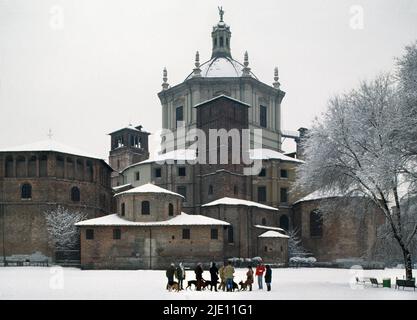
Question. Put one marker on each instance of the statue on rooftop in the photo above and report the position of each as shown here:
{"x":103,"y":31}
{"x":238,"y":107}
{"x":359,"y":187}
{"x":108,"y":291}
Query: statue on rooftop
{"x":221,"y":13}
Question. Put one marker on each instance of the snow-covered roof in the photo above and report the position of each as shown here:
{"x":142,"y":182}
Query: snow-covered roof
{"x":268,"y":228}
{"x":266,"y":154}
{"x":221,"y":96}
{"x":149,"y":188}
{"x":189,"y":155}
{"x":130,"y":127}
{"x":121,"y":187}
{"x":50,"y":145}
{"x":182,"y":219}
{"x":237,"y":202}
{"x":219,"y":67}
{"x":273,"y":234}
{"x":321,"y":194}
{"x":175,"y":155}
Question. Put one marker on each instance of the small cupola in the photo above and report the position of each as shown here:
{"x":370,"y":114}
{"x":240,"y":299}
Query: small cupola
{"x":221,"y":38}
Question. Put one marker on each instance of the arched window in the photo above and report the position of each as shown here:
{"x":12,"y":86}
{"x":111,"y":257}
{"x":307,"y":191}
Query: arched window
{"x":235,"y":190}
{"x":90,"y":171}
{"x":230,"y":234}
{"x":70,"y":168}
{"x":26,"y":192}
{"x":170,"y":209}
{"x":263,"y":221}
{"x":123,"y":209}
{"x":145,"y":207}
{"x":21,"y":167}
{"x":316,"y":224}
{"x":32,"y":166}
{"x":80,"y":169}
{"x":221,"y":41}
{"x":75,"y":194}
{"x":284,"y":222}
{"x":9,"y":167}
{"x":43,"y":166}
{"x":210,"y":190}
{"x":60,"y":163}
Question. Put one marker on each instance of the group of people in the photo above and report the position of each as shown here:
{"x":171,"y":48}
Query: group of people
{"x":225,"y":274}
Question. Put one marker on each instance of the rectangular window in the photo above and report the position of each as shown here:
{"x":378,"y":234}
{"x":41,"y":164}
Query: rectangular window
{"x":230,"y":234}
{"x":262,"y":173}
{"x":182,"y":171}
{"x":186,"y":234}
{"x":284,"y":195}
{"x":123,"y":209}
{"x":137,"y":176}
{"x":89,"y":234}
{"x":262,"y":194}
{"x":179,"y":115}
{"x":117,"y":234}
{"x":262,"y":116}
{"x":214,"y":234}
{"x":158,"y":173}
{"x":284,"y":173}
{"x":182,"y":190}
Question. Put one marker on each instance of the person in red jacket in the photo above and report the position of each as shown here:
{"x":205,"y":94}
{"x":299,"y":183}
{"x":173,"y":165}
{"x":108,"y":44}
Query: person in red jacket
{"x":260,"y":269}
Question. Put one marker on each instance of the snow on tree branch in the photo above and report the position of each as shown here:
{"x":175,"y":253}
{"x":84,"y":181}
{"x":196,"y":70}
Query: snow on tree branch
{"x":62,"y":232}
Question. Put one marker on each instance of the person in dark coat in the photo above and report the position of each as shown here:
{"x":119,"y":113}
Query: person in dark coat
{"x":214,"y":274}
{"x":170,"y":274}
{"x":180,"y":275}
{"x":268,"y":277}
{"x":199,"y":276}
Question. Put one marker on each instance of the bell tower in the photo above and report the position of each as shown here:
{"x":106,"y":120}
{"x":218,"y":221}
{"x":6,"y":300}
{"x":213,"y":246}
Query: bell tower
{"x":221,"y":38}
{"x":129,"y":145}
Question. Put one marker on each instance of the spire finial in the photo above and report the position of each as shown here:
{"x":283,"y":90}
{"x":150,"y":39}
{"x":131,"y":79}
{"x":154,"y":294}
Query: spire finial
{"x":165,"y":84}
{"x":197,"y":70}
{"x":246,"y":69}
{"x":197,"y":59}
{"x":221,"y":13}
{"x":50,"y":134}
{"x":276,"y":84}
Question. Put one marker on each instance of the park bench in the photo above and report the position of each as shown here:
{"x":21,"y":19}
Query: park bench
{"x":362,"y":280}
{"x":39,"y":262}
{"x":26,"y":262}
{"x":374,"y":281}
{"x":405,"y":283}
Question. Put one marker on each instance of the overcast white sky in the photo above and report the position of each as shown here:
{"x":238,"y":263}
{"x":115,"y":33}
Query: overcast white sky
{"x":100,"y":67}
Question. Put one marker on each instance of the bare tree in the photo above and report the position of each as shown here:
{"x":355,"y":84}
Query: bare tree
{"x":62,"y":232}
{"x":355,"y":149}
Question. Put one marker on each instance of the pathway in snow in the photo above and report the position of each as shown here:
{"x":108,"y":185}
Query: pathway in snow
{"x":301,"y":283}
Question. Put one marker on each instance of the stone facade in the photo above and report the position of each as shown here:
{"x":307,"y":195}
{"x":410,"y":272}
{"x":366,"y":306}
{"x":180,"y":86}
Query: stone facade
{"x":243,"y":240}
{"x":273,"y":250}
{"x":149,"y":247}
{"x":152,"y":238}
{"x":344,"y":234}
{"x":51,"y":177}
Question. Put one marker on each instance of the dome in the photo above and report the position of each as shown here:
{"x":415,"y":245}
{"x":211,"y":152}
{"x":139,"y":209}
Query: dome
{"x":218,"y":67}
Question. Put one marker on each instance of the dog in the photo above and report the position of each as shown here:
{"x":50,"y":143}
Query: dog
{"x":235,"y":286}
{"x":174,"y":287}
{"x":243,"y":286}
{"x":190,"y":284}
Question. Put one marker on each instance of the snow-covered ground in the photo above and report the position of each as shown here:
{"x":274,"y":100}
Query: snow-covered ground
{"x":301,"y":283}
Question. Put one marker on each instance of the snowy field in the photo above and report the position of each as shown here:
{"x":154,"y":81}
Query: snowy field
{"x":302,"y":283}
